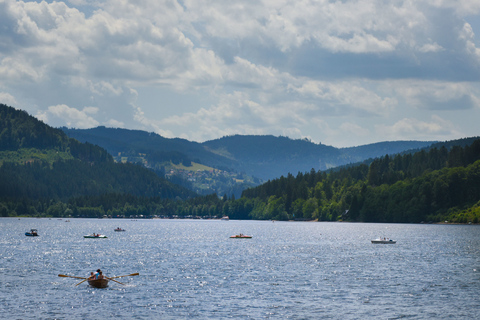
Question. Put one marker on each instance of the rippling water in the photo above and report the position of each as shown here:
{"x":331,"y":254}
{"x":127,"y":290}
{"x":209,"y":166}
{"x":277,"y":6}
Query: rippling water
{"x":191,"y":269}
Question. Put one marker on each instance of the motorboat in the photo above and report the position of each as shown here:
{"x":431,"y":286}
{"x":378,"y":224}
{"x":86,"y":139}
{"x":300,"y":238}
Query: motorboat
{"x":240,"y":236}
{"x":95,"y":236}
{"x":32,"y":233}
{"x":118,"y":229}
{"x":225,"y":218}
{"x":384,"y":241}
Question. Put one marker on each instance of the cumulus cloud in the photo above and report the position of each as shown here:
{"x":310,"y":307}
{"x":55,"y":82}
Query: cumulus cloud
{"x":72,"y":117}
{"x":7,"y":99}
{"x":414,"y":129}
{"x":435,"y":95}
{"x":317,"y":69}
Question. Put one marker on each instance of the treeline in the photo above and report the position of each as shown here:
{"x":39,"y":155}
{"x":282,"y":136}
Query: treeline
{"x":436,"y":185}
{"x":53,"y":175}
{"x":72,"y":178}
{"x":425,"y":186}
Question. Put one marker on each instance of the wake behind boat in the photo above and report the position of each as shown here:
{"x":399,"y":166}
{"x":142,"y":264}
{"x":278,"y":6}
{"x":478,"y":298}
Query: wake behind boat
{"x":95,"y":236}
{"x":384,"y":241}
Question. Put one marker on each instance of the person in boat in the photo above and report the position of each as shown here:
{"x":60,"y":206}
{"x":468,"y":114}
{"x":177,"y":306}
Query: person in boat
{"x":92,"y":276}
{"x":97,"y":273}
{"x":100,"y":275}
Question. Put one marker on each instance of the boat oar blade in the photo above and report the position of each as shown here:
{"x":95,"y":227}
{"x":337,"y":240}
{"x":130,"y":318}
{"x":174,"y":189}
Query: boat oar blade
{"x":81,"y":282}
{"x":127,"y":275}
{"x":65,"y":276}
{"x":114,"y":280}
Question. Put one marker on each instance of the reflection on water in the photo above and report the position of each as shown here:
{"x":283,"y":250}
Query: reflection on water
{"x":192,"y":269}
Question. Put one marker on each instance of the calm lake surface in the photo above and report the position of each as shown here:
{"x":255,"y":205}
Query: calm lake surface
{"x":190,"y":269}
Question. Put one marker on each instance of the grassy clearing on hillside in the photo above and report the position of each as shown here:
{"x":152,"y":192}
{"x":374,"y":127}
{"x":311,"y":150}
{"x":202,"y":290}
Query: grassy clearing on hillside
{"x":22,"y":156}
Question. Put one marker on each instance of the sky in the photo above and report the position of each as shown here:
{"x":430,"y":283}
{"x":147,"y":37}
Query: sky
{"x":337,"y":72}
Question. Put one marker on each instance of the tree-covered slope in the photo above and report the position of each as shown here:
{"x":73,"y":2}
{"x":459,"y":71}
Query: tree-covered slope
{"x":264,"y":157}
{"x":425,"y":186}
{"x":40,"y":162}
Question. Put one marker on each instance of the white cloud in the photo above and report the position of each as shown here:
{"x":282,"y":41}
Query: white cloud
{"x":317,"y":69}
{"x":414,"y":129}
{"x":438,"y":95}
{"x":72,"y":117}
{"x":7,"y":99}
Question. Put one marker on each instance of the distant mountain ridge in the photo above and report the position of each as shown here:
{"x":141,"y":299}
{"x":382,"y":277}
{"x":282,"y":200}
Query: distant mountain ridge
{"x":266,"y":157}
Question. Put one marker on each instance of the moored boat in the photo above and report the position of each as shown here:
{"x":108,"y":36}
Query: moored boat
{"x":95,"y":236}
{"x":240,"y":236}
{"x":384,"y":241}
{"x":225,"y":218}
{"x":98,"y":283}
{"x":32,"y":233}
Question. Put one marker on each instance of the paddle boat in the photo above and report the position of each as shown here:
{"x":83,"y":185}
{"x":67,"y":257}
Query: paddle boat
{"x":384,"y":241}
{"x":95,"y":236}
{"x":118,"y":229}
{"x":240,"y":236}
{"x":32,"y":233}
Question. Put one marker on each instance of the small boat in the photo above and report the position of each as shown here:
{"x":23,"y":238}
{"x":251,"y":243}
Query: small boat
{"x":32,"y":233}
{"x":98,"y":283}
{"x":225,"y":218}
{"x":384,"y":241}
{"x":240,"y":236}
{"x":95,"y":236}
{"x":118,"y":229}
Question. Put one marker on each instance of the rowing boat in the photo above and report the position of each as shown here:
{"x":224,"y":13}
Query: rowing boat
{"x":98,"y":283}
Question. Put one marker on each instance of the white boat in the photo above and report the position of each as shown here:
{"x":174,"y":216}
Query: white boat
{"x":95,"y":236}
{"x":225,"y":218}
{"x":384,"y":241}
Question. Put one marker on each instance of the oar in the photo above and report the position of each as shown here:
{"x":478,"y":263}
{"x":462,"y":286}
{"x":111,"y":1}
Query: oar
{"x":114,"y":280}
{"x":127,"y":275}
{"x":81,"y":282}
{"x":65,"y":276}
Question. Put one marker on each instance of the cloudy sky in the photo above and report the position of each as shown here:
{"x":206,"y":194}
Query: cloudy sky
{"x":338,"y":72}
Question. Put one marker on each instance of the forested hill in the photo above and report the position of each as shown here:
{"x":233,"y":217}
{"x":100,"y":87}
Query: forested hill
{"x":38,"y":162}
{"x":434,"y":185}
{"x":264,"y":157}
{"x":270,"y":157}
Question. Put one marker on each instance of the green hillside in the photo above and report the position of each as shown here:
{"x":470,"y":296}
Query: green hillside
{"x":434,"y":185}
{"x":40,"y":165}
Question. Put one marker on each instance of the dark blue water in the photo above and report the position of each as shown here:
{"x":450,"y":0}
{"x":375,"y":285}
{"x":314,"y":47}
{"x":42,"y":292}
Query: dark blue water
{"x":191,"y":269}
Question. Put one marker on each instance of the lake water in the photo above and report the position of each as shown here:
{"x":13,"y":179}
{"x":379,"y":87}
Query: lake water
{"x":190,"y":269}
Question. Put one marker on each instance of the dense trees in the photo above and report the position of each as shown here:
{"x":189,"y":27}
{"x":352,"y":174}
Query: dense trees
{"x":43,"y":172}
